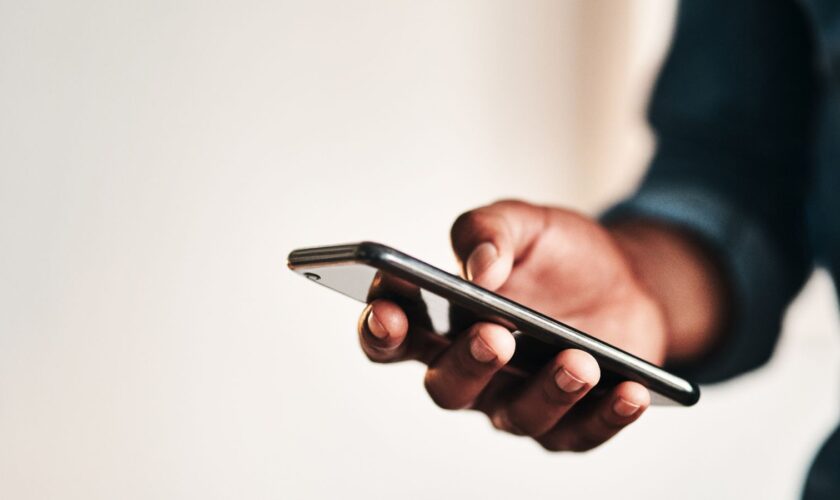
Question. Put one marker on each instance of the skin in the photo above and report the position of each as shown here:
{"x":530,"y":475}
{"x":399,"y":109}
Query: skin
{"x":645,"y":287}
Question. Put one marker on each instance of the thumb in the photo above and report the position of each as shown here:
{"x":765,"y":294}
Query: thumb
{"x":488,"y":240}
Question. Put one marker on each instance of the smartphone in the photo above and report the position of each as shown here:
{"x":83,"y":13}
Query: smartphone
{"x":443,"y":304}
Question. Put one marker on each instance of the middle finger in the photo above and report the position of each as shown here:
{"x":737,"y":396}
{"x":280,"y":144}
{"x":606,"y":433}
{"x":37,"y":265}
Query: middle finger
{"x":548,"y":396}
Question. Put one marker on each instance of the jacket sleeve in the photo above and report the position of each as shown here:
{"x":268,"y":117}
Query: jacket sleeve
{"x":732,"y":113}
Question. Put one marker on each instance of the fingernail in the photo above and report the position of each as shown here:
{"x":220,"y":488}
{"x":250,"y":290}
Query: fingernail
{"x":567,"y":381}
{"x":481,"y":351}
{"x":375,"y":326}
{"x":480,"y":259}
{"x":624,"y":408}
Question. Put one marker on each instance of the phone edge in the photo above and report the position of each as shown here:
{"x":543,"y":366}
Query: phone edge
{"x":373,"y":253}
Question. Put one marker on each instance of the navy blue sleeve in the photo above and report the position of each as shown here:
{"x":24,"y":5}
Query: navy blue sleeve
{"x":732,"y":113}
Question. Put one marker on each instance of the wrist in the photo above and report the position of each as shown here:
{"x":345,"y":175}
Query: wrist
{"x":681,"y":276}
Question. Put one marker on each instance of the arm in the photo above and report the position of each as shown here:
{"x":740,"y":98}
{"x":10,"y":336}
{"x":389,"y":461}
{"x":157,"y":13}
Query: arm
{"x":733,"y":111}
{"x":685,"y":281}
{"x":695,"y":269}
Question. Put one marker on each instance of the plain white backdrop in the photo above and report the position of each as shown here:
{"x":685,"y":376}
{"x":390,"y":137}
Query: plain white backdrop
{"x":158,"y":160}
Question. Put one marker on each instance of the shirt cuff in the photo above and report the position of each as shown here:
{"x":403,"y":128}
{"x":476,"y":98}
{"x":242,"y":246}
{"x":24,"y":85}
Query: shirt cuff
{"x":749,"y":262}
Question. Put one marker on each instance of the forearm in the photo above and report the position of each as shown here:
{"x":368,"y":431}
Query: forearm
{"x":683,"y":278}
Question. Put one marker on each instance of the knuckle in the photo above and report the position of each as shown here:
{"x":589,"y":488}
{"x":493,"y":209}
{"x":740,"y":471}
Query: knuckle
{"x":440,"y":395}
{"x":465,"y":217}
{"x":567,"y":439}
{"x":510,"y":203}
{"x":522,"y":426}
{"x":553,"y":445}
{"x":445,"y":403}
{"x":581,"y":445}
{"x":496,"y":422}
{"x":501,"y":421}
{"x":587,"y":440}
{"x":467,"y":220}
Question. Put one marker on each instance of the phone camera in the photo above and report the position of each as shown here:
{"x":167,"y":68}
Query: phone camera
{"x":312,"y":276}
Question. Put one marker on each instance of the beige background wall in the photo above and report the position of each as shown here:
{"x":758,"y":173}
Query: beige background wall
{"x":159,"y":159}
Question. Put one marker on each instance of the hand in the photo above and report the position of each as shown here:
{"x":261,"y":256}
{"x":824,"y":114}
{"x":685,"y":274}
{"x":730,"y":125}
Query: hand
{"x":563,"y":265}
